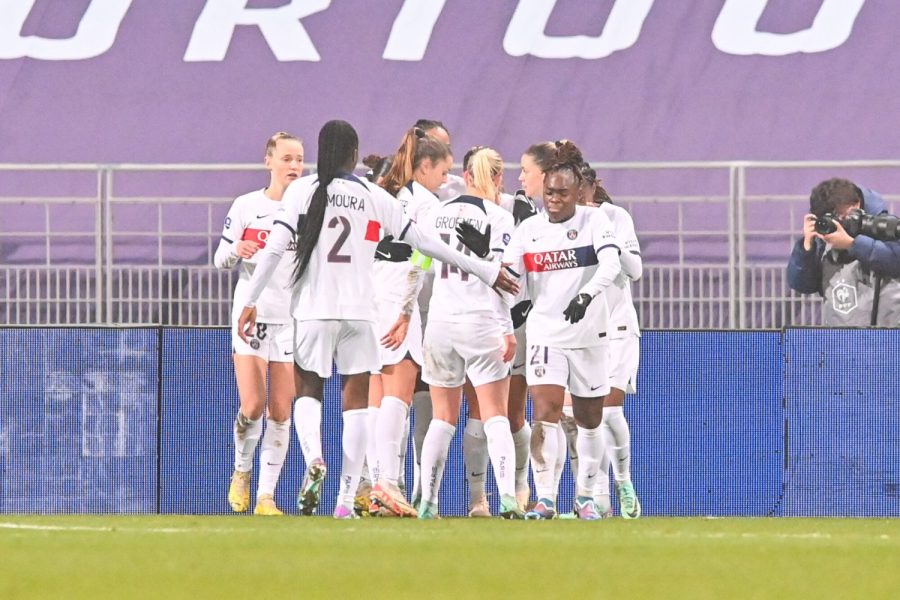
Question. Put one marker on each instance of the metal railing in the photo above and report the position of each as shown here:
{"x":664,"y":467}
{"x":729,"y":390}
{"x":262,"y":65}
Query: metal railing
{"x":121,"y":244}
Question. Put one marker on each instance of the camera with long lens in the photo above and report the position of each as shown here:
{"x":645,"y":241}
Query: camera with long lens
{"x":885,"y":228}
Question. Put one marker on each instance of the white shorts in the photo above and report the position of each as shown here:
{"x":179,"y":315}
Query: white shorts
{"x":585,"y":371}
{"x":454,"y":351}
{"x":412,"y":345}
{"x":624,"y":355}
{"x":350,"y":345}
{"x":518,"y":362}
{"x":273,"y":342}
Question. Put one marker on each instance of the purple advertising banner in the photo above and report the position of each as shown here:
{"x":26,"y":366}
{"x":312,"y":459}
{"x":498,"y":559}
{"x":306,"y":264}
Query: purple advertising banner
{"x":155,"y":81}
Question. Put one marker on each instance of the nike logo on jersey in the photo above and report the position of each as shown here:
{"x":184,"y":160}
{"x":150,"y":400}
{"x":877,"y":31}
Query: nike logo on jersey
{"x":595,"y":387}
{"x":263,"y":216}
{"x":476,"y":474}
{"x":289,"y":353}
{"x":518,"y":366}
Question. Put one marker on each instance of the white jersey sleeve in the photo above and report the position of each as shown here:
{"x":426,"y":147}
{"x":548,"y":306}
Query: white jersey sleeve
{"x":623,"y":318}
{"x":251,"y":217}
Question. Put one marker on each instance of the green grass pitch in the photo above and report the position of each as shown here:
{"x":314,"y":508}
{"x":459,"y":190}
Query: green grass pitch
{"x":292,"y":557}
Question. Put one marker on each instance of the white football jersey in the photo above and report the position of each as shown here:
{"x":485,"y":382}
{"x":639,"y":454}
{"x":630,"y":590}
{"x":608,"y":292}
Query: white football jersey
{"x":458,"y":297}
{"x":455,"y":186}
{"x":623,"y":318}
{"x":337,"y":283}
{"x":251,"y":217}
{"x":556,"y":260}
{"x":391,"y":277}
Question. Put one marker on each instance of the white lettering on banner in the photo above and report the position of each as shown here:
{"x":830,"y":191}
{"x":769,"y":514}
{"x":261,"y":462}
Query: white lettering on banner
{"x":525,"y":34}
{"x":735,"y":30}
{"x":95,"y":35}
{"x":412,"y":29}
{"x":281,"y":27}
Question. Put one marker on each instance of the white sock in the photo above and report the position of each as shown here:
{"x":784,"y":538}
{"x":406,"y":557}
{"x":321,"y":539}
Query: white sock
{"x":308,"y":423}
{"x":475,"y":456}
{"x":371,"y":446}
{"x":404,"y":444}
{"x":389,"y":430}
{"x":423,"y":411}
{"x":521,"y":441}
{"x":570,"y":428}
{"x":617,"y":437}
{"x":246,"y":437}
{"x":503,"y":454}
{"x":544,"y":447}
{"x":561,"y":446}
{"x":601,"y":487}
{"x":275,"y":443}
{"x":590,"y":450}
{"x":435,"y":448}
{"x":353,"y":443}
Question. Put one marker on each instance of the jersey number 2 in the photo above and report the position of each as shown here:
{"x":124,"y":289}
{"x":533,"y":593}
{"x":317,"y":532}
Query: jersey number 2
{"x":334,"y":255}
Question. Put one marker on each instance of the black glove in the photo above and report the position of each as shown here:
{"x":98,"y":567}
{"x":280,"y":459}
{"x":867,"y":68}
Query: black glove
{"x":474,"y":240}
{"x":519,"y":313}
{"x":577,"y":307}
{"x":523,"y":207}
{"x":392,"y":251}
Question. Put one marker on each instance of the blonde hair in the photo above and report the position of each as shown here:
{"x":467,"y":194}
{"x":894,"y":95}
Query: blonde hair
{"x":482,"y":168}
{"x":276,"y":137}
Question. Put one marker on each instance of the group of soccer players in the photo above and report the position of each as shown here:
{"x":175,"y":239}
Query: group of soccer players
{"x":418,"y":285}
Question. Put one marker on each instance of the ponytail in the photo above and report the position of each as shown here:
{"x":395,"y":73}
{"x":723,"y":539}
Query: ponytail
{"x":483,"y":167}
{"x":416,"y":147}
{"x":338,"y":143}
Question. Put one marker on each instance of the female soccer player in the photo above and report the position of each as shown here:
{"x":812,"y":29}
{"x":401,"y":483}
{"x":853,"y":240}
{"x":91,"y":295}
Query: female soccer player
{"x":470,"y":334}
{"x":624,"y":352}
{"x":419,"y":167}
{"x":337,"y":220}
{"x":269,"y":348}
{"x":568,"y":257}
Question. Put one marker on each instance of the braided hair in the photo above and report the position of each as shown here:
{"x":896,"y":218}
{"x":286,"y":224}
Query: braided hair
{"x":567,"y":158}
{"x":338,"y":143}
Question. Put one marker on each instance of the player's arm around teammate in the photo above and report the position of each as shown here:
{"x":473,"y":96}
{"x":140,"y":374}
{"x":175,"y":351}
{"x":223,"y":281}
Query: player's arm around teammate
{"x":569,"y":257}
{"x":269,"y":352}
{"x":469,"y":334}
{"x":336,"y":219}
{"x":417,"y":170}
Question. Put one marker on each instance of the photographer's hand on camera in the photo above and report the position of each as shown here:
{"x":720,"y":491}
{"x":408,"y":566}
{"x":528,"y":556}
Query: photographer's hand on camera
{"x":809,"y":232}
{"x":839,"y":239}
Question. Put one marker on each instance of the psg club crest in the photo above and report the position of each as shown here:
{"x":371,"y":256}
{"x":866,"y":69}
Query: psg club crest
{"x":254,"y":344}
{"x":573,"y":233}
{"x":539,"y":372}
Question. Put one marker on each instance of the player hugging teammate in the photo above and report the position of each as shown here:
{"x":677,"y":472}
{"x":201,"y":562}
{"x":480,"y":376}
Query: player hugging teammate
{"x":561,"y":311}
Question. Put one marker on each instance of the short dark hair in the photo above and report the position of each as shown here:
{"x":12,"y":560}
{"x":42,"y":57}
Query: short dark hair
{"x":833,"y":194}
{"x":429,"y":124}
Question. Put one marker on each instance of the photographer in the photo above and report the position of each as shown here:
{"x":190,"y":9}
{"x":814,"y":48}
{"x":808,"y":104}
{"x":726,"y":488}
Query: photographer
{"x":857,"y":275}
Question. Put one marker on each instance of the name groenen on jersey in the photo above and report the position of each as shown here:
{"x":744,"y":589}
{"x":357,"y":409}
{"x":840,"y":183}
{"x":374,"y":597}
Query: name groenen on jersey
{"x":450,"y":222}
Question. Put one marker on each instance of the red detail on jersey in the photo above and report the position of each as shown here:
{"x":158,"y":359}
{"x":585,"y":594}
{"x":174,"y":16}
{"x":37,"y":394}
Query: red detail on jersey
{"x":373,"y":231}
{"x":256,"y":235}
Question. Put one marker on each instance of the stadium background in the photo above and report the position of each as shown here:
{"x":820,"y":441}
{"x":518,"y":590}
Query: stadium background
{"x":696,"y":139}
